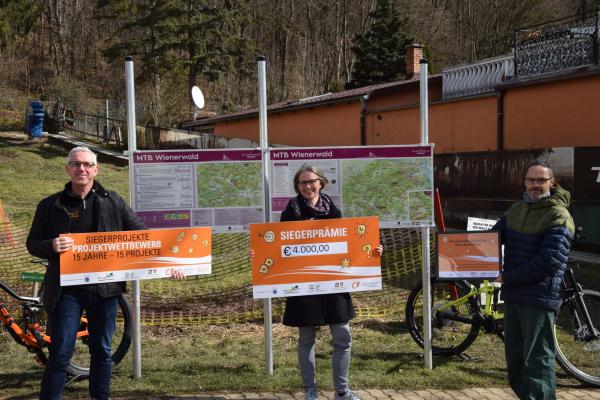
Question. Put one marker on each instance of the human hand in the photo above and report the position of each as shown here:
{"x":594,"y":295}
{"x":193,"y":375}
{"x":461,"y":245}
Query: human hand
{"x":62,"y":244}
{"x":499,"y":279}
{"x":378,"y":251}
{"x":177,"y":275}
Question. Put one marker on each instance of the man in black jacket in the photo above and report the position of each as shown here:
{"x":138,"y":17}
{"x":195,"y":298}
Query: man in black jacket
{"x":83,"y":206}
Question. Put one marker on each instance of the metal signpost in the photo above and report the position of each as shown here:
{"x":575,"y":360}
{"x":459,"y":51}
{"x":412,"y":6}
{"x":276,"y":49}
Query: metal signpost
{"x":426,"y":274}
{"x":264,"y":146}
{"x":132,"y":146}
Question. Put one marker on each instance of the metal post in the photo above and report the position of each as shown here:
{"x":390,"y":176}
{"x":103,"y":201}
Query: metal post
{"x":426,"y":275}
{"x":264,"y":146}
{"x":515,"y":53}
{"x":107,"y":124}
{"x":595,"y":35}
{"x":132,"y":145}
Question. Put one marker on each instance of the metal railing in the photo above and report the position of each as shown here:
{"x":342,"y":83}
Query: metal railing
{"x":476,"y":78}
{"x":557,"y":45}
{"x":114,"y":131}
{"x":101,"y":128}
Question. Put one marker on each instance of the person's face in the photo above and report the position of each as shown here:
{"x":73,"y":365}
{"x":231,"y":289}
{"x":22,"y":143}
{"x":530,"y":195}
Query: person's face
{"x":309,"y":186}
{"x":538,"y":181}
{"x":82,"y":169}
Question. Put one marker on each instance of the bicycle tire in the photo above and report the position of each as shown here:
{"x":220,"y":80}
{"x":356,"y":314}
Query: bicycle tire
{"x":578,"y":356}
{"x":450,"y":335}
{"x":79,"y":366}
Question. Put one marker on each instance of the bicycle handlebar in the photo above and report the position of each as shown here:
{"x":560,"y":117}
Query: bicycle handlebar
{"x":14,"y":294}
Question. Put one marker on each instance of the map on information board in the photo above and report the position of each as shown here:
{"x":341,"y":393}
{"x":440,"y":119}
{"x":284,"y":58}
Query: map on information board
{"x":187,"y":188}
{"x":229,"y":184}
{"x":394,"y":183}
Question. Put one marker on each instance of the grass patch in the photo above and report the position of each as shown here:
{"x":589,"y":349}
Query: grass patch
{"x":30,"y":171}
{"x":231,"y":359}
{"x":218,"y":358}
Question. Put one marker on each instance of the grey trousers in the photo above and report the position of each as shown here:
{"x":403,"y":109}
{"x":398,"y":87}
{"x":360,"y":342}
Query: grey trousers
{"x":340,"y":358}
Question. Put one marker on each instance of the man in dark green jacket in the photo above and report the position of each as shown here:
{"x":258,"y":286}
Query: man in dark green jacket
{"x":83,"y":206}
{"x":537,"y":233}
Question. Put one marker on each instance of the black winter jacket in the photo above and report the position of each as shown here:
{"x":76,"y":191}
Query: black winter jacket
{"x":51,"y":219}
{"x":321,"y":309}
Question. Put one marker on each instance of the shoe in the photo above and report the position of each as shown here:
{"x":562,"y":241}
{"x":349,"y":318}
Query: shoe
{"x":311,"y":395}
{"x":349,"y":395}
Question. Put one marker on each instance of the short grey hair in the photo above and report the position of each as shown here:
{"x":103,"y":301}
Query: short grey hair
{"x":82,"y":149}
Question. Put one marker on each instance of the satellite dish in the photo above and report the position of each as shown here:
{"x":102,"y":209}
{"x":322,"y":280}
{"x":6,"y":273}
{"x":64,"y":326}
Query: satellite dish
{"x":198,"y":97}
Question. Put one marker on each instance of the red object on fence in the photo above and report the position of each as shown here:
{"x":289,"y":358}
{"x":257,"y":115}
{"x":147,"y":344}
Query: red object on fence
{"x":439,"y":214}
{"x":6,"y":226}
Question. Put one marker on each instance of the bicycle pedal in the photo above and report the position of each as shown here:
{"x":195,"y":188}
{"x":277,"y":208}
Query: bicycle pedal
{"x":464,"y":357}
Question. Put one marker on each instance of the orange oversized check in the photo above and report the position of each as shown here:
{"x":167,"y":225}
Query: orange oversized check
{"x":469,"y":255}
{"x":315,"y":257}
{"x":101,"y":257}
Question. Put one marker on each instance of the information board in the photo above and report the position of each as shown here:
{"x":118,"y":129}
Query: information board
{"x":185,"y":188}
{"x":102,"y":257}
{"x":311,"y":257}
{"x":394,"y":183}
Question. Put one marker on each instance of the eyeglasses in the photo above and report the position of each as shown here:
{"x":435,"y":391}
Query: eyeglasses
{"x":310,"y":182}
{"x":539,"y":181}
{"x":77,"y":164}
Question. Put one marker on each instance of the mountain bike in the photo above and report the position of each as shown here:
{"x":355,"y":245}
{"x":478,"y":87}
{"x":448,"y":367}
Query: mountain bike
{"x":460,"y":310}
{"x":31,"y":329}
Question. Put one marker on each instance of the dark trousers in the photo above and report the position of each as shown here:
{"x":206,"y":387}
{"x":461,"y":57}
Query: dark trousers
{"x":101,"y":315}
{"x":530,"y":351}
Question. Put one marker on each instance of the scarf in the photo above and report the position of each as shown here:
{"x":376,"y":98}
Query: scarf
{"x":527,"y":198}
{"x":321,"y":208}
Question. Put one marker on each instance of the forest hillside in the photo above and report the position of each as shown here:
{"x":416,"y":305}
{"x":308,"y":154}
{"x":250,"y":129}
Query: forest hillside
{"x":73,"y":51}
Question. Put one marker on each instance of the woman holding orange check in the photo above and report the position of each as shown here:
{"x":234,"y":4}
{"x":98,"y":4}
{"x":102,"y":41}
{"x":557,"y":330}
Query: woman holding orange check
{"x":309,"y":312}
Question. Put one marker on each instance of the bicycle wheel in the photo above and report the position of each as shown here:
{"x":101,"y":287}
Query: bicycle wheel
{"x":454,"y":329}
{"x":80,"y":361}
{"x":577,"y":351}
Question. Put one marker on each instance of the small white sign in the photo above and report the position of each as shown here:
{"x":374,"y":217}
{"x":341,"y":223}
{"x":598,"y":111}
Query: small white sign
{"x":480,"y":224}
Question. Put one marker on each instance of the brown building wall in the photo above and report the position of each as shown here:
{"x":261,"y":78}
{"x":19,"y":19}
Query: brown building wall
{"x":393,"y":127}
{"x":454,"y":126}
{"x":464,"y":125}
{"x":549,"y":113}
{"x":407,"y":94}
{"x":246,"y":128}
{"x":330,"y":125}
{"x":553,"y":114}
